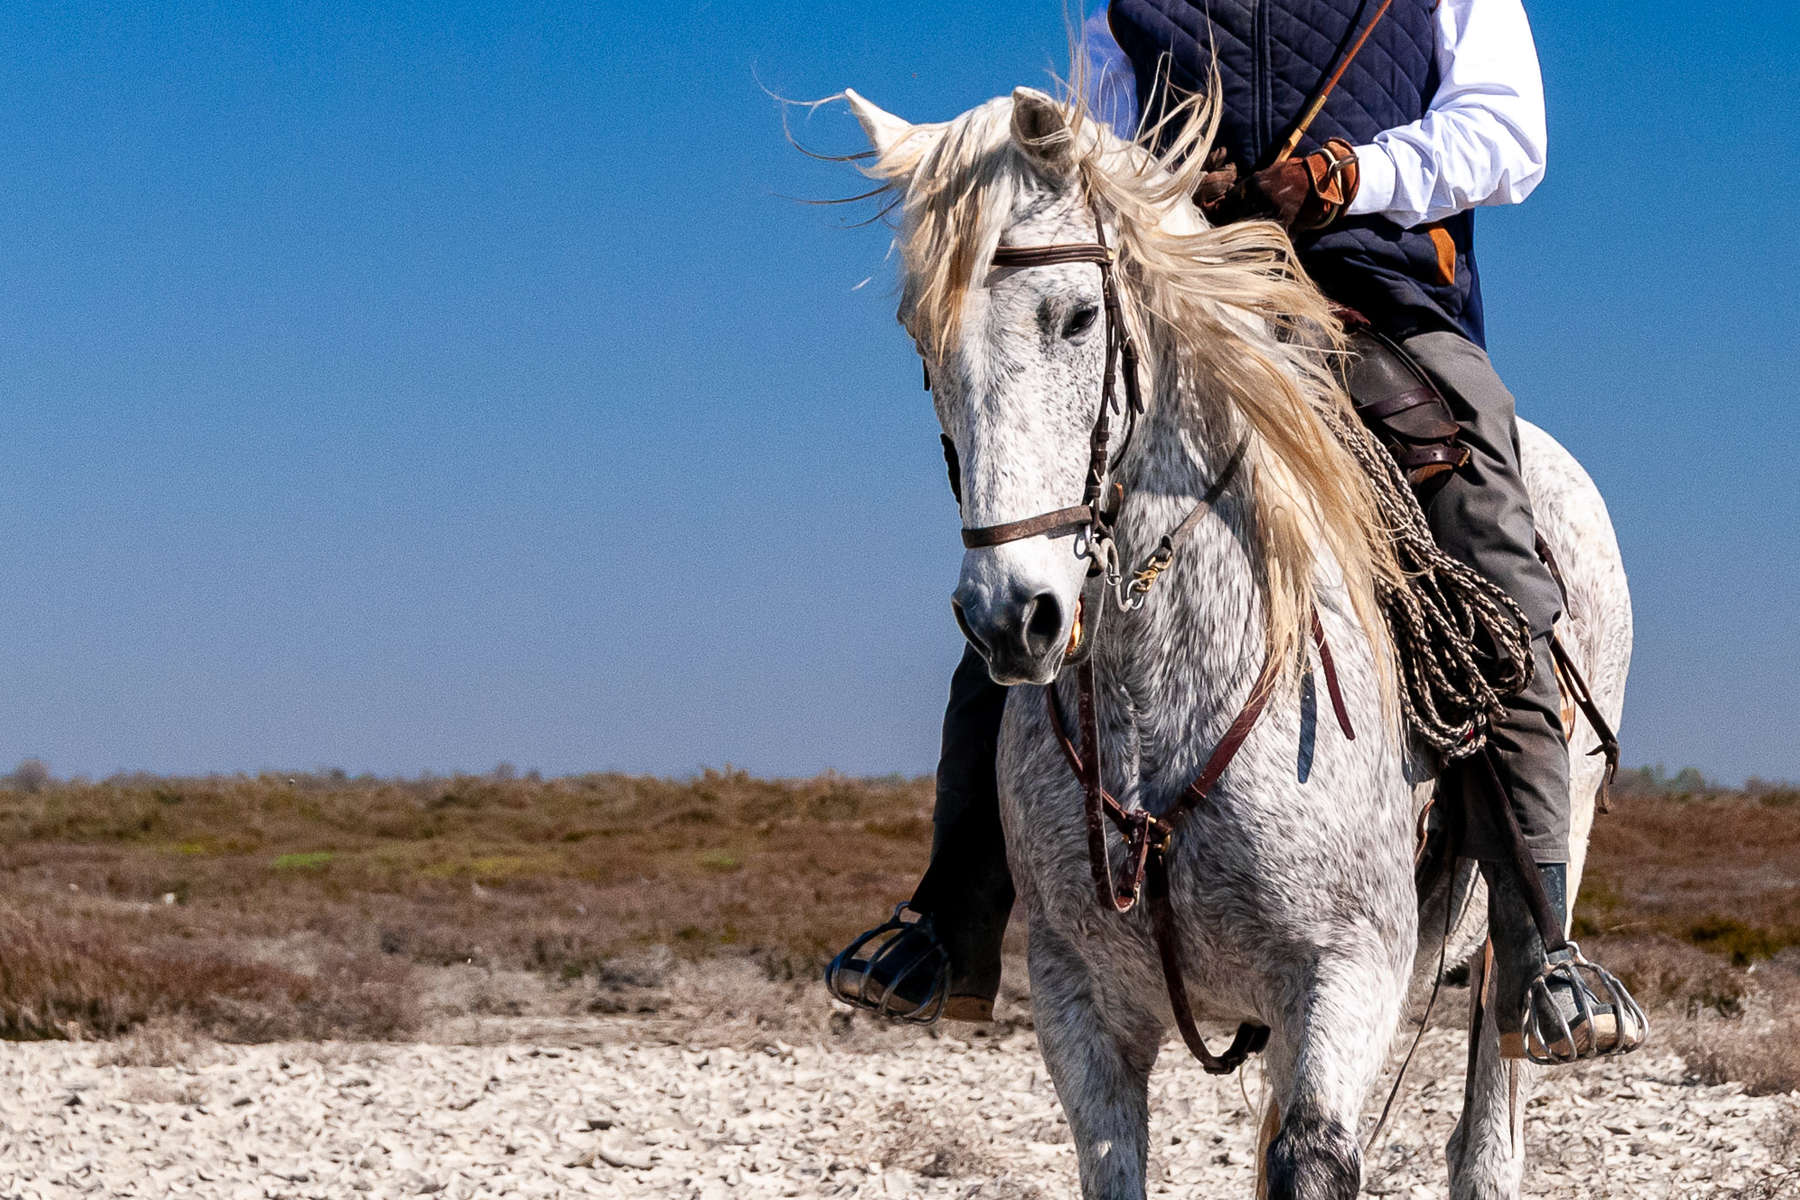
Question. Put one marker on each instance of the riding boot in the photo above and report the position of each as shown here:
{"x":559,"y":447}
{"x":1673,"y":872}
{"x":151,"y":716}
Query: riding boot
{"x":946,"y":961}
{"x":1551,"y":1005}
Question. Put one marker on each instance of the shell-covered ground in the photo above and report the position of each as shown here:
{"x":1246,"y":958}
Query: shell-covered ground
{"x":730,"y":1099}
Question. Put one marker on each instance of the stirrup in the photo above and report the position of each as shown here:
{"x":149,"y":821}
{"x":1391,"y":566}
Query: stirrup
{"x":898,"y":970}
{"x":1607,"y":1020}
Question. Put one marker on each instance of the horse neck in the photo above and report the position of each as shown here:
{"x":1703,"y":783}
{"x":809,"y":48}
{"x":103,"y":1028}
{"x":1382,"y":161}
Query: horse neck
{"x":1173,"y":672}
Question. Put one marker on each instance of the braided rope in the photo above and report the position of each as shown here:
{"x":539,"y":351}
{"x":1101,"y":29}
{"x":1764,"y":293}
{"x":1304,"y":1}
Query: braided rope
{"x":1461,"y":643}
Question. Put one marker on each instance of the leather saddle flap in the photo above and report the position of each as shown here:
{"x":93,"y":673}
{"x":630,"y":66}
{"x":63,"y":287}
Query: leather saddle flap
{"x":1392,"y":395}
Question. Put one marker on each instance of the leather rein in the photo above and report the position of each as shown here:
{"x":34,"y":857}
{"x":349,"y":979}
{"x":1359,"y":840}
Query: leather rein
{"x":1148,"y":837}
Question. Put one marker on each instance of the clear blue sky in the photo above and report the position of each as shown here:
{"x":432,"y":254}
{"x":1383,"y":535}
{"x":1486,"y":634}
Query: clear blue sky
{"x":425,"y":385}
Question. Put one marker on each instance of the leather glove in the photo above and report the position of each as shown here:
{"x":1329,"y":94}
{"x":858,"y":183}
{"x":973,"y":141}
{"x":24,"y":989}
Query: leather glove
{"x":1221,"y":176}
{"x":1301,"y":193}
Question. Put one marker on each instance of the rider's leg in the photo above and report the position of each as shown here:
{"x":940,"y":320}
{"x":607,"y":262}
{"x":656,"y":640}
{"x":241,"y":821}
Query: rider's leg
{"x":967,"y":889}
{"x":966,"y":895}
{"x":1482,"y":515}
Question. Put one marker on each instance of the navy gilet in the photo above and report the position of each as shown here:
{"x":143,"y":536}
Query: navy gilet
{"x":1272,"y":55}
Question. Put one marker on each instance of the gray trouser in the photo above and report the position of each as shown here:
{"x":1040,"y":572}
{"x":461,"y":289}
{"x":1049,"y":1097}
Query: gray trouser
{"x":1480,"y":514}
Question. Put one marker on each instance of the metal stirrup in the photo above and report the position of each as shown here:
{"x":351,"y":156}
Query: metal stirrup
{"x":887,"y":960}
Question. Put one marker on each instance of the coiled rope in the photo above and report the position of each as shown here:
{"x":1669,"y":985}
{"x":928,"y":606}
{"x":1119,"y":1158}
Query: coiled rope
{"x":1462,"y":644}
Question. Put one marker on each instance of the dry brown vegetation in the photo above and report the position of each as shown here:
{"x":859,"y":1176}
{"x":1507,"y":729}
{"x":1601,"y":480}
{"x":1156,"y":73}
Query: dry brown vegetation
{"x":1693,"y":896}
{"x":278,"y":906}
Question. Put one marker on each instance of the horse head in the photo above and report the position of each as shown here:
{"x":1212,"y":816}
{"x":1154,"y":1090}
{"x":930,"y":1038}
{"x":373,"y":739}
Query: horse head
{"x":1016,"y":354}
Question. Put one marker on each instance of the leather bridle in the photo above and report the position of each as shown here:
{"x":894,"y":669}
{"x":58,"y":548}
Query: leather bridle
{"x":1099,"y":506}
{"x":1147,"y":836}
{"x":1121,"y":350}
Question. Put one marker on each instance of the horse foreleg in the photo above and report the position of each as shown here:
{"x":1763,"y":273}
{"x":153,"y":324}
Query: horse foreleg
{"x":1486,"y":1151}
{"x":1322,"y":1065}
{"x":1102,"y":1076}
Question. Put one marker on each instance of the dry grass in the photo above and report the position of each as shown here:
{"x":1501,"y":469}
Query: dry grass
{"x":1693,"y":897}
{"x":278,"y":906}
{"x":68,"y":975}
{"x":283,"y":906}
{"x":1717,"y":868}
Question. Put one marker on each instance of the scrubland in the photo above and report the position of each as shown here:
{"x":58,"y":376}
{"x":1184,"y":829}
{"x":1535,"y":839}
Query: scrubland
{"x":279,"y":907}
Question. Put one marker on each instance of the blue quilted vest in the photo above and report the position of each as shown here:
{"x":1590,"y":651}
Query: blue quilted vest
{"x":1272,"y":56}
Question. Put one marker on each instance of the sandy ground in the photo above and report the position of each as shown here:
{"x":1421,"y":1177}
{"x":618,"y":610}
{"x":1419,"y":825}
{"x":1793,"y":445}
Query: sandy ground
{"x":712,"y":1103}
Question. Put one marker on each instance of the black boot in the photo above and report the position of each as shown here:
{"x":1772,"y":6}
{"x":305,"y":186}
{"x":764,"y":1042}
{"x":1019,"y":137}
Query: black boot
{"x":945,"y":959}
{"x":1552,"y":1006}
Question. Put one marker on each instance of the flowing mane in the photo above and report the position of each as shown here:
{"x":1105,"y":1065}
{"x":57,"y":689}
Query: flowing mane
{"x":1249,"y":338}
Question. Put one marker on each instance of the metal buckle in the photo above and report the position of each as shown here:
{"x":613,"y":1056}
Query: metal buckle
{"x":1608,"y":1019}
{"x":871,"y":971}
{"x":1154,"y":565}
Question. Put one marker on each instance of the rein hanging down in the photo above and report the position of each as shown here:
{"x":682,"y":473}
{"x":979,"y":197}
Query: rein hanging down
{"x":1147,"y":836}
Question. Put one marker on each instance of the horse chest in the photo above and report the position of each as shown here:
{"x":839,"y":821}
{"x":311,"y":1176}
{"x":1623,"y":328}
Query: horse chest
{"x":1269,"y":859}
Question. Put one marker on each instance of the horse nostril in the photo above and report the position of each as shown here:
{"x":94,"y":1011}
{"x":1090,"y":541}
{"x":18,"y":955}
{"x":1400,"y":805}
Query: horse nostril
{"x":1043,"y":624}
{"x":962,"y":623}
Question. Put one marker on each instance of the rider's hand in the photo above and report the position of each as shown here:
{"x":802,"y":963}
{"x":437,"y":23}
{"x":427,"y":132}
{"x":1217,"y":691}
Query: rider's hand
{"x":1301,"y":193}
{"x":1221,"y":176}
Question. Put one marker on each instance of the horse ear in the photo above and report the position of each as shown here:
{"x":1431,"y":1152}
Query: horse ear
{"x":1041,"y":127}
{"x":884,"y":129}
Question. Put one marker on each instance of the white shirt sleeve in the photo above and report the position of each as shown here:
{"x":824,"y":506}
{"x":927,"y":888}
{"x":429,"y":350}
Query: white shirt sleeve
{"x":1483,"y":139}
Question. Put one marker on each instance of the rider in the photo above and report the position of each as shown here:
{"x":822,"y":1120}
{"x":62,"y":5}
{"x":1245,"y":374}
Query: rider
{"x":1440,"y":111}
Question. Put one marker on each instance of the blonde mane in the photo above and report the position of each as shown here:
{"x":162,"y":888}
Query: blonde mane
{"x":1229,"y":310}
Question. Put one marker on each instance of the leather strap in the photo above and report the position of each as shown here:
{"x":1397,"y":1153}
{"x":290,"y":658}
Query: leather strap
{"x":1055,"y":255}
{"x":1088,"y":768}
{"x":1235,"y":735}
{"x":1249,"y":1039}
{"x":1064,"y":520}
{"x":1329,"y":667}
{"x":1530,"y":882}
{"x":1138,"y":828}
{"x":1390,"y":405}
{"x":1420,"y":458}
{"x":1578,"y":688}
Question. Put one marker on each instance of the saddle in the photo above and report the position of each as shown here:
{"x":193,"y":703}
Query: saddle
{"x":1401,"y":406}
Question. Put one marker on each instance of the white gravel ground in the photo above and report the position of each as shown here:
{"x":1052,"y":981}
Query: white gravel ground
{"x":631,"y":1107}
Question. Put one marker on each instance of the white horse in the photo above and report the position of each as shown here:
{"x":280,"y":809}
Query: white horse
{"x":1292,"y":886}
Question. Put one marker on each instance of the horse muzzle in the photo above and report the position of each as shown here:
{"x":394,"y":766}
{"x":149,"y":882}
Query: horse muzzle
{"x":1023,"y":635}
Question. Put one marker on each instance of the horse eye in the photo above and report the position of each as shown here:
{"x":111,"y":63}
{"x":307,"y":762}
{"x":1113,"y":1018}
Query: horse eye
{"x":1079,"y":321}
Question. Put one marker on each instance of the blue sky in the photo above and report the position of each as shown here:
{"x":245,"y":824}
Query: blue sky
{"x":420,"y":386}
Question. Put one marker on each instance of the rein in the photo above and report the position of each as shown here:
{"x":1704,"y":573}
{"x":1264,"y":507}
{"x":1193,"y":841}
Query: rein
{"x":1147,"y":836}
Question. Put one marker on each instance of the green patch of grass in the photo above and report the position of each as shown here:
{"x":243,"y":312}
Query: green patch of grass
{"x":1742,"y":943}
{"x":719,"y":860}
{"x":303,"y":860}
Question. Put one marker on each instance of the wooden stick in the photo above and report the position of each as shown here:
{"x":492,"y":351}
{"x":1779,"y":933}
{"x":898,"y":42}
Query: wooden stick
{"x":1318,"y":103}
